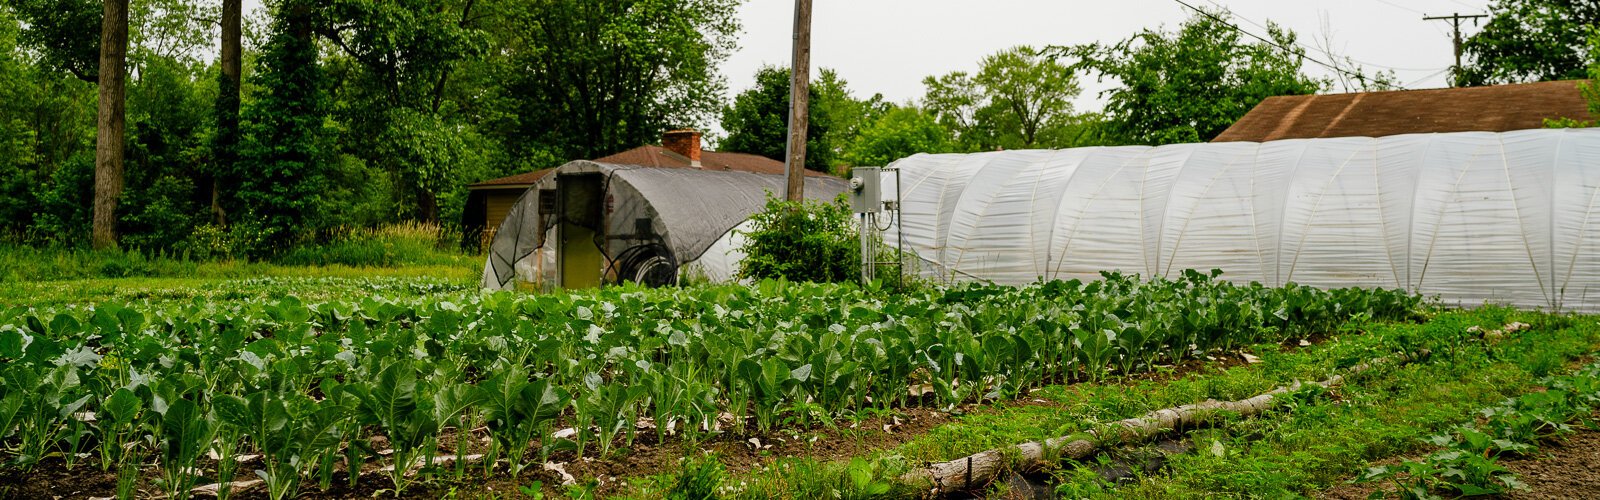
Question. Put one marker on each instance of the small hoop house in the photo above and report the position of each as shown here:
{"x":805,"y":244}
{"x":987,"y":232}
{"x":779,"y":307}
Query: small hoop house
{"x":590,"y":223}
{"x":1474,"y":217}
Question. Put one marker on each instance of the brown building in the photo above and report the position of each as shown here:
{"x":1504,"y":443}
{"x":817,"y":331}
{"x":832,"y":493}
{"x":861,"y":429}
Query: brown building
{"x":1499,"y":108}
{"x":489,"y":201}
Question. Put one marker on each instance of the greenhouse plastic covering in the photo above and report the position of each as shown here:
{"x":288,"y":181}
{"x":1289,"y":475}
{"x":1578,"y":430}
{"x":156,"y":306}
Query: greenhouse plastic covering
{"x":690,"y":210}
{"x":1469,"y":217}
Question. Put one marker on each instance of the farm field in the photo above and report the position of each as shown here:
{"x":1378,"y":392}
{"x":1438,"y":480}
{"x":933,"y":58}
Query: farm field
{"x":429,"y":388}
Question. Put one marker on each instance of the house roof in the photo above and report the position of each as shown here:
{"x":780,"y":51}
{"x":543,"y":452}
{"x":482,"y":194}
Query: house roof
{"x":1499,"y":108}
{"x":522,"y":180}
{"x":657,"y":156}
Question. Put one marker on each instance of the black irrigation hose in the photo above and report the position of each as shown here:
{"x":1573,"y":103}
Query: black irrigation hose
{"x":625,"y":257}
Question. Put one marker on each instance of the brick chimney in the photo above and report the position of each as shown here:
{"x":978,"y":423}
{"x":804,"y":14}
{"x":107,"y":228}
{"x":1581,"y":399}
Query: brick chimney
{"x":685,"y":142}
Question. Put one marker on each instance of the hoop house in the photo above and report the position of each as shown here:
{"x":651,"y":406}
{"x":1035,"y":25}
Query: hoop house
{"x":629,"y":222}
{"x":1470,"y":217}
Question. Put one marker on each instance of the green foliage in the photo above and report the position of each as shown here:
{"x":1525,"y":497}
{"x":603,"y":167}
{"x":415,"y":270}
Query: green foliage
{"x":385,"y":246}
{"x":66,"y":33}
{"x":356,"y":113}
{"x":1190,"y":85}
{"x":655,"y":68}
{"x":897,"y":133}
{"x":1468,"y":463}
{"x":285,"y":151}
{"x":389,"y":246}
{"x":391,"y":375}
{"x":168,"y":149}
{"x":1530,"y":40}
{"x":1590,"y":89}
{"x":46,"y":142}
{"x":806,"y":241}
{"x":1018,"y":99}
{"x":396,"y":61}
{"x":758,"y":120}
{"x":698,"y":480}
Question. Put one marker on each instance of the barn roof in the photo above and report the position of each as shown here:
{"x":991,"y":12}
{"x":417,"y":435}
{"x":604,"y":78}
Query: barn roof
{"x":658,"y":156}
{"x":1499,"y":108}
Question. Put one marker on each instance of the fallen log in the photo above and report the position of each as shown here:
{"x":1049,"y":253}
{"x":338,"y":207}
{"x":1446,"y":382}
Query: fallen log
{"x":980,"y":469}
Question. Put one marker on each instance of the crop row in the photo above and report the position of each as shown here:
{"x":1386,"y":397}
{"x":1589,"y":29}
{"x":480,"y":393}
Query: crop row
{"x":318,"y":388}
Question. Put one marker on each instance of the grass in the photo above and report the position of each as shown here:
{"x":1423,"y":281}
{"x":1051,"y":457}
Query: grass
{"x":398,"y":260}
{"x":307,"y":283}
{"x":1317,"y":440}
{"x":406,"y":244}
{"x":351,"y":253}
{"x":1311,"y":446}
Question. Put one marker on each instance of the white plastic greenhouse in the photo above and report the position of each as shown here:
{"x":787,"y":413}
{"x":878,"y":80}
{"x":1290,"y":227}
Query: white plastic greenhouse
{"x":1469,"y":217}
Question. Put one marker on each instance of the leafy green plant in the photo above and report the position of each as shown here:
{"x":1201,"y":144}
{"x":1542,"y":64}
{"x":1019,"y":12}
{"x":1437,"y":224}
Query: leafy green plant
{"x":186,"y":432}
{"x":802,"y":241}
{"x":385,"y":370}
{"x":517,"y":411}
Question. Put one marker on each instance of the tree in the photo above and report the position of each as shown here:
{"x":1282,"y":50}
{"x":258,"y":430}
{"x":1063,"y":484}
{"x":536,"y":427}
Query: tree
{"x":1530,"y":40}
{"x":1018,"y":99}
{"x":847,"y":115}
{"x":65,"y":32}
{"x":1026,"y":93}
{"x":396,"y":66}
{"x":902,"y":131}
{"x":1590,"y":89}
{"x":18,"y":165}
{"x":591,"y":78}
{"x":284,"y":144}
{"x":758,"y":120}
{"x":1190,"y":85}
{"x":111,"y":122}
{"x":225,"y":148}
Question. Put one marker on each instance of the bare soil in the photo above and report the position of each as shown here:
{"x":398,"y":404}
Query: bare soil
{"x":1567,"y":469}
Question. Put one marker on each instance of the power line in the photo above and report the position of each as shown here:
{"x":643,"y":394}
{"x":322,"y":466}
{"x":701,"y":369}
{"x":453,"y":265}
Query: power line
{"x":1302,"y":53}
{"x":1329,"y":51}
{"x":1402,"y":7}
{"x":1425,"y":78}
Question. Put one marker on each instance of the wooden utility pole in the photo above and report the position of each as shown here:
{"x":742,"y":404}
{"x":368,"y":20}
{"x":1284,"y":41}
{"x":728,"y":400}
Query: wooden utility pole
{"x":1455,"y":22}
{"x":794,"y":164}
{"x":111,"y":123}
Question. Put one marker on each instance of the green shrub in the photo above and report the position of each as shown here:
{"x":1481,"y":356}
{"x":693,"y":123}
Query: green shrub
{"x":802,"y":241}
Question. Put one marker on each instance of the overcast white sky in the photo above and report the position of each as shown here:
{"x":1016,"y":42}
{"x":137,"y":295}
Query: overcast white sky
{"x":888,"y":46}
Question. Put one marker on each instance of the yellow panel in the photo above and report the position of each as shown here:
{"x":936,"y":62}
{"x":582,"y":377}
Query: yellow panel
{"x":497,"y":205}
{"x":580,"y":258}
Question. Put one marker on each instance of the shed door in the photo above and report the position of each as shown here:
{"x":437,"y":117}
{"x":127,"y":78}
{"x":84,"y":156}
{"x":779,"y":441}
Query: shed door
{"x":581,"y":230}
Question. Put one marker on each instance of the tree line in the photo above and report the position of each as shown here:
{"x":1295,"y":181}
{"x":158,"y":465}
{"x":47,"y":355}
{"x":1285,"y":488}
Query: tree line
{"x":185,"y":125}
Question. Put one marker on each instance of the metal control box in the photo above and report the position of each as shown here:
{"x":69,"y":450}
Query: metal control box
{"x":866,"y":190}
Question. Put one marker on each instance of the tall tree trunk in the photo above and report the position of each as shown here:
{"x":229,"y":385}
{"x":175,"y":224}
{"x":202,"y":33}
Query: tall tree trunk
{"x":227,"y":145}
{"x":109,"y":139}
{"x":429,"y":205}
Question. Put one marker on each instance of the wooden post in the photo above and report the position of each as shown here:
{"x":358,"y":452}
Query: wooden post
{"x":111,"y":123}
{"x":794,"y":164}
{"x":1455,"y":22}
